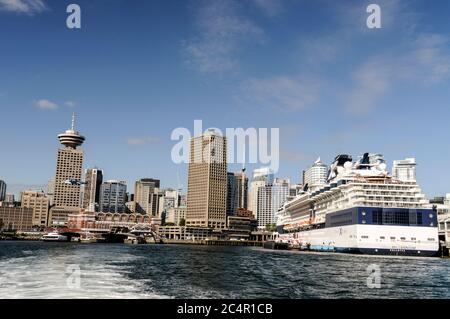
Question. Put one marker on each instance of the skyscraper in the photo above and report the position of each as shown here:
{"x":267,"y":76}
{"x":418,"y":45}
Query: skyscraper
{"x":261,"y":177}
{"x":316,"y":175}
{"x":66,"y":198}
{"x":232,"y":196}
{"x":405,"y":170}
{"x":91,"y":196}
{"x":171,"y":199}
{"x":207,"y":181}
{"x":113,"y":197}
{"x":2,"y":190}
{"x":146,"y":196}
{"x":237,"y":192}
{"x":270,"y":198}
{"x":51,"y":190}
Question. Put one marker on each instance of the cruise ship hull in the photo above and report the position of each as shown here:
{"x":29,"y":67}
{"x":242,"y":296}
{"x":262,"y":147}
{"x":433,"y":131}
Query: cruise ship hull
{"x":368,"y":239}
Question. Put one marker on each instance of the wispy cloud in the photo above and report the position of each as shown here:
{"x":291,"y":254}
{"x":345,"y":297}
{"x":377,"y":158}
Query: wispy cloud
{"x":23,"y":6}
{"x":142,"y":141}
{"x":373,"y":80}
{"x":281,"y":92}
{"x":428,"y":60}
{"x":70,"y":103}
{"x":425,"y":61}
{"x":222,"y":29}
{"x":45,"y":104}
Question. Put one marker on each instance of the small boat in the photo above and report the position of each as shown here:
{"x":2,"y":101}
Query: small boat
{"x":54,"y":237}
{"x":275,"y":245}
{"x":88,"y":240}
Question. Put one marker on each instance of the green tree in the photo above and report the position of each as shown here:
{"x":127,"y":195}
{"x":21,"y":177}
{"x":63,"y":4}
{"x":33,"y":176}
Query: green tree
{"x":271,"y":227}
{"x":182,"y":222}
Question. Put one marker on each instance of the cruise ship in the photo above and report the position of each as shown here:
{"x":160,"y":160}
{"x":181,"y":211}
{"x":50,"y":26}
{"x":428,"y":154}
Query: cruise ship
{"x":361,"y":209}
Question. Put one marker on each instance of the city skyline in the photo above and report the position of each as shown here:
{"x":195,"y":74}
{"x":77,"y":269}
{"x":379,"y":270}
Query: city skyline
{"x":322,"y":104}
{"x":18,"y":189}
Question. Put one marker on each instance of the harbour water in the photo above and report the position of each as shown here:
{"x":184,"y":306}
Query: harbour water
{"x":47,"y":270}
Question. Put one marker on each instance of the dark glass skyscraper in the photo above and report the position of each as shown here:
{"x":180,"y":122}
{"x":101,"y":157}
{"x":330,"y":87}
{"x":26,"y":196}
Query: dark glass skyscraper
{"x":91,"y":197}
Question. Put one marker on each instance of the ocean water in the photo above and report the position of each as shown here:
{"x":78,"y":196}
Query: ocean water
{"x":73,"y":270}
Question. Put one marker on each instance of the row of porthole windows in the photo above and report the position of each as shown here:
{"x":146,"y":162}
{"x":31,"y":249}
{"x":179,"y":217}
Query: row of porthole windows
{"x":401,"y":238}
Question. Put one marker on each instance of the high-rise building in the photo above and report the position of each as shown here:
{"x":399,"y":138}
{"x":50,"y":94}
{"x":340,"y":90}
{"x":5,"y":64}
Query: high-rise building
{"x":175,"y":215}
{"x":113,"y":196}
{"x":40,"y":203}
{"x":316,"y":175}
{"x":261,"y":177}
{"x":405,"y":170}
{"x":237,"y":192}
{"x":93,"y":181}
{"x":51,"y":190}
{"x":67,"y":196}
{"x":270,"y":198}
{"x":207,"y":181}
{"x":146,"y":196}
{"x":2,"y":190}
{"x":170,"y":199}
{"x":232,"y":196}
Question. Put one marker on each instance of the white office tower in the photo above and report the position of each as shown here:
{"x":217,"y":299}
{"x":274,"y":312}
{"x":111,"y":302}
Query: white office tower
{"x":271,"y":198}
{"x":405,"y":170}
{"x":168,"y":199}
{"x":316,"y":175}
{"x":261,"y":177}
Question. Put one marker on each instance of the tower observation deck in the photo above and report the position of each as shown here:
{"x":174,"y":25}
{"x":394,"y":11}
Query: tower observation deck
{"x":71,"y":138}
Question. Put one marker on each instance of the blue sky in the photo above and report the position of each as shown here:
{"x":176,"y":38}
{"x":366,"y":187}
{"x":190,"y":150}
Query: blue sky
{"x":139,"y":69}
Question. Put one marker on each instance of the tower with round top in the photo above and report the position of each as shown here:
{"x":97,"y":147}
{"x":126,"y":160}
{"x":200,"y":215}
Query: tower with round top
{"x":71,"y":138}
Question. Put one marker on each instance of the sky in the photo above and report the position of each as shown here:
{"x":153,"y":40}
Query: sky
{"x":137,"y":70}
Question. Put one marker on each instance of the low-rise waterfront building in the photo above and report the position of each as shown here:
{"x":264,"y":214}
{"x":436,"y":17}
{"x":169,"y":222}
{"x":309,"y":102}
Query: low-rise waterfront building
{"x":16,"y":218}
{"x":185,"y":233}
{"x":106,"y":221}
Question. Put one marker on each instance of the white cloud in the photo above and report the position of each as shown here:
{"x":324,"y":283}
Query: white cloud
{"x":222,"y":32}
{"x":428,"y":60}
{"x":23,"y":6}
{"x":282,"y":92}
{"x":373,"y":80}
{"x":142,"y":141}
{"x":425,"y":61}
{"x":70,"y":103}
{"x":44,"y":104}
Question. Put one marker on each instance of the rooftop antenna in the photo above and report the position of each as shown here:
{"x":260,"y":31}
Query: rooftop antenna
{"x":243,"y":160}
{"x":178,"y":181}
{"x":73,"y":121}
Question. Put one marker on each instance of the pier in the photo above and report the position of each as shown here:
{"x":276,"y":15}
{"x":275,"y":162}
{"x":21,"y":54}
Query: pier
{"x":216,"y":242}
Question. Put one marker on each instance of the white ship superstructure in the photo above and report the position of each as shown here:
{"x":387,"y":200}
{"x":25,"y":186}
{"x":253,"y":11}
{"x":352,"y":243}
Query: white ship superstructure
{"x":361,"y":209}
